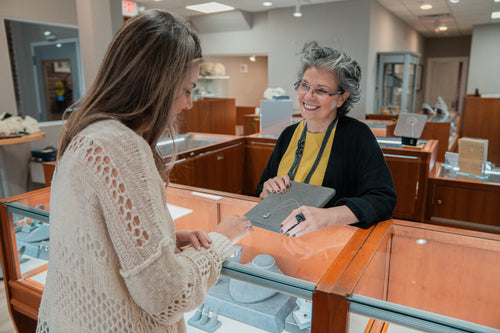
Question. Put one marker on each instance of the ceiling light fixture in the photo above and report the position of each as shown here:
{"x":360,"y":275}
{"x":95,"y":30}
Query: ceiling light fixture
{"x":58,"y":45}
{"x":210,"y":7}
{"x":267,"y":4}
{"x":454,"y":1}
{"x":495,"y":15}
{"x":426,"y":6}
{"x":442,"y":28}
{"x":297,"y":13}
{"x":252,"y":58}
{"x":47,"y":33}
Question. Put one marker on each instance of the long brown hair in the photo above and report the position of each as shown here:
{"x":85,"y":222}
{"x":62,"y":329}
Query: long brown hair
{"x":138,"y":80}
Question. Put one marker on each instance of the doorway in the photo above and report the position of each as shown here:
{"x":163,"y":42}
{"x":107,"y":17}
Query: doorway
{"x":57,"y":76}
{"x":30,"y":40}
{"x":446,"y":77}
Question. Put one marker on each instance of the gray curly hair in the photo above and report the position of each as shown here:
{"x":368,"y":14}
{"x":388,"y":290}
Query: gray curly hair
{"x":342,"y":67}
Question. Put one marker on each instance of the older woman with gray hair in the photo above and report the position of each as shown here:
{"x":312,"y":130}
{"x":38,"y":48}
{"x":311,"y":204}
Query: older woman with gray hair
{"x":328,"y":148}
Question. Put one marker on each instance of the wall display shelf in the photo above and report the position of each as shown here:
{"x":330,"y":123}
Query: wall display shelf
{"x":396,"y":82}
{"x":463,"y":201}
{"x":211,"y":86}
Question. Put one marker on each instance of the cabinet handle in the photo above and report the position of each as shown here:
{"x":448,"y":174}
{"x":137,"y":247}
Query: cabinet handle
{"x":439,"y":202}
{"x":220,"y":157}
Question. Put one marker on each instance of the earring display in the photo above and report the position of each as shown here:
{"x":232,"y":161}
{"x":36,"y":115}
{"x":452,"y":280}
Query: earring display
{"x":205,"y":318}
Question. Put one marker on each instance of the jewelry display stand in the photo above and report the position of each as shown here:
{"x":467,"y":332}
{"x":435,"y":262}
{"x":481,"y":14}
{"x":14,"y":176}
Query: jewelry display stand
{"x":257,"y":306}
{"x":270,"y":212}
{"x":410,"y":127}
{"x":268,"y":315}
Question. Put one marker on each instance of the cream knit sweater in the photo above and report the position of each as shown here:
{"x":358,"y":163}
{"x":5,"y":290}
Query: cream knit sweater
{"x":112,"y":264}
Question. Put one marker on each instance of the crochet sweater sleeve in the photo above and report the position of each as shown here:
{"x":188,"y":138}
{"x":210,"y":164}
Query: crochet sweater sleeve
{"x":132,"y":197}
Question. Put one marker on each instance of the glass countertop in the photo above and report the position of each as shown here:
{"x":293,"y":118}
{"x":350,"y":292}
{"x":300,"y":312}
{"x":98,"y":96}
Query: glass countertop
{"x":427,"y":273}
{"x":490,"y":175}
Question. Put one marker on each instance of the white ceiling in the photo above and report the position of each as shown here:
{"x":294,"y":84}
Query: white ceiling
{"x":459,"y":17}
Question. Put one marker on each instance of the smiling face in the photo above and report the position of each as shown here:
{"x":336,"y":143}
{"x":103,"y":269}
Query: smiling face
{"x":319,"y":110}
{"x":183,"y":100}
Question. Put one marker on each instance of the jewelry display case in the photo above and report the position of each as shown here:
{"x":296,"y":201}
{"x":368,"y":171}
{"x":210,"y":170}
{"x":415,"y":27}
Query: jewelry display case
{"x":396,"y":82}
{"x":24,"y":250}
{"x":463,"y":201}
{"x":340,"y":279}
{"x":269,"y":285}
{"x":427,"y":278}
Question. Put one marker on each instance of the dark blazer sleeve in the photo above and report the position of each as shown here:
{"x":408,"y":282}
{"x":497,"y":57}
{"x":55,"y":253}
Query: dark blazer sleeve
{"x":271,"y":169}
{"x":366,"y":184}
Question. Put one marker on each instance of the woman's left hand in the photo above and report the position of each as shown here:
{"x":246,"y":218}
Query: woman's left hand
{"x":196,"y":238}
{"x":306,"y":219}
{"x":311,"y":219}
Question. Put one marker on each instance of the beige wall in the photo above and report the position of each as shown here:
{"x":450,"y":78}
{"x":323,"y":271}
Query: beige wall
{"x":248,"y":88}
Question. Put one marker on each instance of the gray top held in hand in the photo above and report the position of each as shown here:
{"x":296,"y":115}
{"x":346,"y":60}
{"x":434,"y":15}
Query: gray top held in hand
{"x":272,"y":210}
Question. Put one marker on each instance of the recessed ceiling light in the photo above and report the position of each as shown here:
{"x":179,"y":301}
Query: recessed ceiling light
{"x":443,"y":28}
{"x":58,"y":45}
{"x":454,"y":1}
{"x":210,"y":7}
{"x":269,"y":3}
{"x":426,"y":6}
{"x":47,"y":33}
{"x":495,"y":15}
{"x":252,"y":58}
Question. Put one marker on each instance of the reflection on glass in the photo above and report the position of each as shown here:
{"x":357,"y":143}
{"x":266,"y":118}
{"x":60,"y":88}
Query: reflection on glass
{"x":432,"y":272}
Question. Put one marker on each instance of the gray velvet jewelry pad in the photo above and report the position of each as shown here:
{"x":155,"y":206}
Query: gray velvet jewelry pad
{"x":272,"y":210}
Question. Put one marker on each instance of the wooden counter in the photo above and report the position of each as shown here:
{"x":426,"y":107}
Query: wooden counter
{"x":210,"y":115}
{"x":481,"y":120}
{"x":463,"y":201}
{"x":445,"y":271}
{"x":318,"y":258}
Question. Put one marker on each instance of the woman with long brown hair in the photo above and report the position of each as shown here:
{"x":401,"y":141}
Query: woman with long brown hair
{"x":115,"y":260}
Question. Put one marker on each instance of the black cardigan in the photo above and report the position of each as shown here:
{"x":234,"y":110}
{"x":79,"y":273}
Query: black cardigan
{"x":356,"y":170}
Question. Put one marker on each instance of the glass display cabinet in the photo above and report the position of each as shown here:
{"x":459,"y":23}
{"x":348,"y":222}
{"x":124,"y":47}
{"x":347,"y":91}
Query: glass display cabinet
{"x":396,"y":82}
{"x":269,"y":285}
{"x":429,"y":279}
{"x":392,"y":276}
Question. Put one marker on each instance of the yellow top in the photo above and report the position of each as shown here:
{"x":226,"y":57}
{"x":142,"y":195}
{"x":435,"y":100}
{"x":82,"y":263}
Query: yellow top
{"x":311,"y":149}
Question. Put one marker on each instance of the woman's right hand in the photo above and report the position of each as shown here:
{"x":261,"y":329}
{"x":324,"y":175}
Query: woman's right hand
{"x":234,"y":227}
{"x":275,"y":185}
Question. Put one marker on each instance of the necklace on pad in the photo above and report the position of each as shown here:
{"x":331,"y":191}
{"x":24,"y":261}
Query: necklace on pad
{"x":286,"y":203}
{"x":300,"y":150}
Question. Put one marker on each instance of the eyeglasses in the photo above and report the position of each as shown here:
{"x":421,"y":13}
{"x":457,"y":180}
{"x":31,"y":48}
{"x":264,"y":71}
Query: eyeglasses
{"x":304,"y":88}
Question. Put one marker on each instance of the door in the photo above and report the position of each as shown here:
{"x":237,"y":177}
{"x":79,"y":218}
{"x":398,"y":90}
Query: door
{"x":58,"y":78}
{"x":446,"y":77}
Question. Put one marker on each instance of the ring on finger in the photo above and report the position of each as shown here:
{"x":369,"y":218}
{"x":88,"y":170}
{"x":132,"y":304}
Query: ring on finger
{"x":300,"y":218}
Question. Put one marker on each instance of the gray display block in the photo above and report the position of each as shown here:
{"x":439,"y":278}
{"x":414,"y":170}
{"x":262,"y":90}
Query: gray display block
{"x":268,"y":315}
{"x":291,"y":325}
